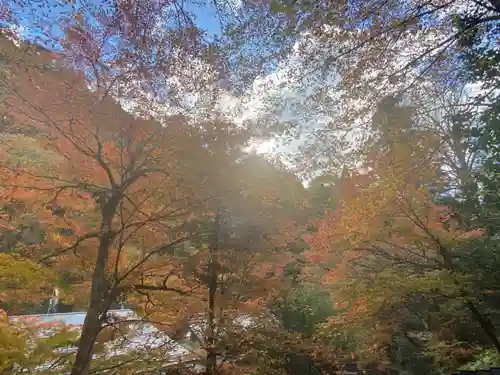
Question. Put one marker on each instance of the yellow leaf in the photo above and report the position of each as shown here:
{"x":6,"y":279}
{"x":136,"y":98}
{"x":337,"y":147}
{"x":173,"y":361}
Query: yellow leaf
{"x":57,"y":237}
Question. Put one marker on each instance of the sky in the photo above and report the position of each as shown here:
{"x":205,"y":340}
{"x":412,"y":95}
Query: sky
{"x":251,"y":106}
{"x":206,"y":16}
{"x":259,"y":102}
{"x":278,"y":86}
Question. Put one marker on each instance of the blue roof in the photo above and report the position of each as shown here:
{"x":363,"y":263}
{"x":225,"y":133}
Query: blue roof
{"x":142,"y":337}
{"x":72,"y":318}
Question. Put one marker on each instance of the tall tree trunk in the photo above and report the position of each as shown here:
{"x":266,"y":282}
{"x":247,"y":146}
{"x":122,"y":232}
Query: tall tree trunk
{"x":211,"y":336}
{"x":99,"y":303}
{"x":91,"y":329}
{"x":211,"y":360}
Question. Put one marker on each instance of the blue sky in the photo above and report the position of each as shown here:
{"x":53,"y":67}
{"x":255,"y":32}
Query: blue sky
{"x":52,"y":13}
{"x":206,"y":18}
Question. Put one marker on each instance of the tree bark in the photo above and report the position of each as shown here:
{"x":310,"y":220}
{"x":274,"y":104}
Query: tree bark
{"x":91,"y":329}
{"x":211,"y":360}
{"x":99,"y":305}
{"x":211,"y":339}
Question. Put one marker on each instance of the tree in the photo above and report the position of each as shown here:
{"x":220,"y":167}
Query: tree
{"x":396,"y":254}
{"x":323,"y":192}
{"x":477,"y":204}
{"x":334,"y":62}
{"x":120,"y":183}
{"x":302,"y":309}
{"x":235,"y":268}
{"x":116,"y":195}
{"x":22,"y":349}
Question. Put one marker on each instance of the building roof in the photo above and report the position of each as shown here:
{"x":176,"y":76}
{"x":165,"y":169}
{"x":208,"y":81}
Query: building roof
{"x":69,"y":319}
{"x":137,"y":335}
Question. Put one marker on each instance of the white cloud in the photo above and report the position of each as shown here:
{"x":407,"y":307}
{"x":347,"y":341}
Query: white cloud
{"x":318,"y":104}
{"x":19,"y":33}
{"x":296,"y":92}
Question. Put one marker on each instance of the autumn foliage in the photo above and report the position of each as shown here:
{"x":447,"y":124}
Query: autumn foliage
{"x":171,"y":217}
{"x":389,"y":243}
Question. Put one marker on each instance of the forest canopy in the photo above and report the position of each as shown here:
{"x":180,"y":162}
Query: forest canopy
{"x":245,"y":187}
